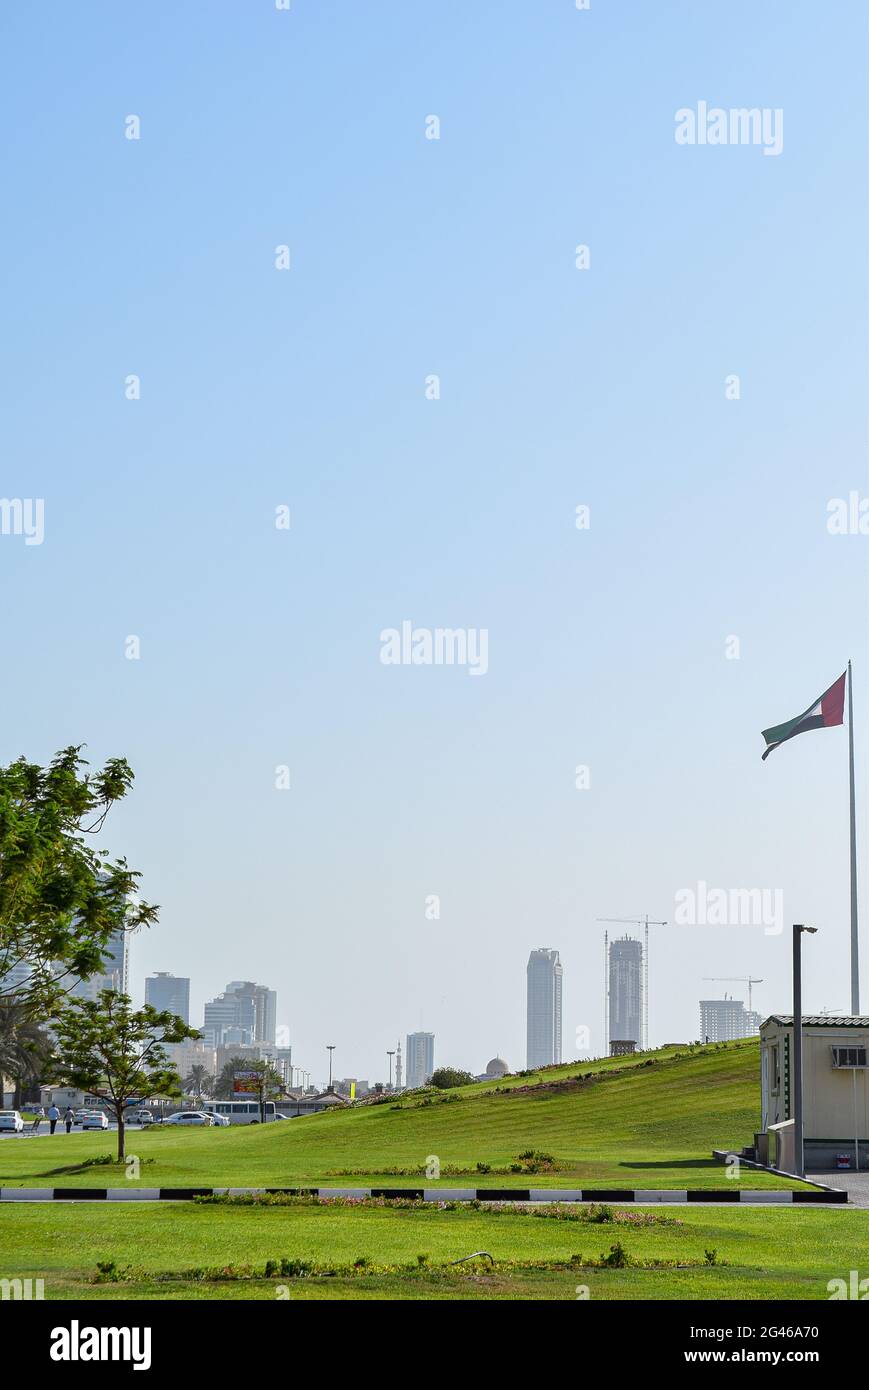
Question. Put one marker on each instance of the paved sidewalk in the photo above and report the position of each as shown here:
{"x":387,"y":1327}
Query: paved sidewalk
{"x":855,"y":1184}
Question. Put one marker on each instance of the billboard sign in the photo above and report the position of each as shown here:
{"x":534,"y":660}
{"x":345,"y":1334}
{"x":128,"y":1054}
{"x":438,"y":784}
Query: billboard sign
{"x":246,"y":1083}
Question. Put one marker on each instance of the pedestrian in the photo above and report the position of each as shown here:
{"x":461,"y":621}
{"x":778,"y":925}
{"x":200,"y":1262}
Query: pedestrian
{"x":69,"y":1118}
{"x":38,"y":1117}
{"x":53,"y":1117}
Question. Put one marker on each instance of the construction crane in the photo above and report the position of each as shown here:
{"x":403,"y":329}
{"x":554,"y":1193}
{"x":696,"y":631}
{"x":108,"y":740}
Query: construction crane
{"x":645,"y":922}
{"x":736,"y":980}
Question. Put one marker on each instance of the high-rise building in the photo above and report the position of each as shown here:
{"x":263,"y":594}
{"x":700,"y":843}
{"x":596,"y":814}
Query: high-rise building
{"x":190,"y":1053}
{"x":265,"y":1003}
{"x":244,"y":1013}
{"x":15,"y":981}
{"x":722,"y":1020}
{"x":115,"y":972}
{"x":543,"y":1008}
{"x":169,"y":993}
{"x":625,"y":982}
{"x":419,"y":1059}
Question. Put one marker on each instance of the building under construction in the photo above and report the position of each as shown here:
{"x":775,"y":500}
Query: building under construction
{"x":625,"y":985}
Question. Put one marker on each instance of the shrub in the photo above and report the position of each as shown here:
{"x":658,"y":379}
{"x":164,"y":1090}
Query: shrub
{"x":446,"y":1077}
{"x":599,"y":1214}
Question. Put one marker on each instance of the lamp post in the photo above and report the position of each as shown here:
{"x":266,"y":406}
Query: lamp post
{"x":330,"y":1047}
{"x":390,"y":1055}
{"x":799,"y":1166}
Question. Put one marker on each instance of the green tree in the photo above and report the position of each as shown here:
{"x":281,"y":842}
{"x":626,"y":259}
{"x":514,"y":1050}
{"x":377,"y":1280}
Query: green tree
{"x":445,"y":1077}
{"x":106,"y":1047}
{"x":198,"y":1082}
{"x":24,"y":1049}
{"x":61,"y":899}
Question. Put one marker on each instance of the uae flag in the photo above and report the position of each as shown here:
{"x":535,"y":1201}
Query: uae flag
{"x":823,"y":714}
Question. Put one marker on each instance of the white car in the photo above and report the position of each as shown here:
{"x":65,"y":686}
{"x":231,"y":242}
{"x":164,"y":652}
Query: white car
{"x":189,"y":1117}
{"x":220,"y":1120}
{"x":11,"y":1119}
{"x":94,"y":1119}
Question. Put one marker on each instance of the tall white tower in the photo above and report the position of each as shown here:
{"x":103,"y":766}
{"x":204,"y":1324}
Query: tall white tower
{"x":398,"y":1065}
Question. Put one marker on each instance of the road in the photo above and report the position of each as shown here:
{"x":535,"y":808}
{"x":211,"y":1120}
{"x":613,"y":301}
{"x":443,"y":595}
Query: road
{"x":27,"y":1133}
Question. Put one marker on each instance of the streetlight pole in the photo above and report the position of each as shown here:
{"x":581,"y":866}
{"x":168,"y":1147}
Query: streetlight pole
{"x":390,"y":1055}
{"x":330,"y":1047}
{"x":799,"y":1164}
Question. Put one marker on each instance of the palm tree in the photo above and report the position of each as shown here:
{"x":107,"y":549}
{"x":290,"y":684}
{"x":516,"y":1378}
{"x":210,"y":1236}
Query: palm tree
{"x":198,"y":1081}
{"x":24,"y":1049}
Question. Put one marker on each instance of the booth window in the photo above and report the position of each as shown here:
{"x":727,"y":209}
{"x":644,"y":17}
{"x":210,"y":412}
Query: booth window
{"x":848,"y":1056}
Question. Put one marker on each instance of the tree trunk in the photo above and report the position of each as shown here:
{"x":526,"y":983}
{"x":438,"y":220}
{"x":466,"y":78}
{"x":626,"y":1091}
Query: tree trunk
{"x":121,"y":1135}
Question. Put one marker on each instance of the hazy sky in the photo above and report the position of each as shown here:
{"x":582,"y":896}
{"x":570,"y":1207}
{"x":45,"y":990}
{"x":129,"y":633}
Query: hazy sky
{"x":607,"y":388}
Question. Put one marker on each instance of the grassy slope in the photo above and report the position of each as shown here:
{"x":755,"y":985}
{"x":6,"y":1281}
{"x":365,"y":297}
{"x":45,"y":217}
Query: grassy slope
{"x":633,"y":1125}
{"x":770,"y":1253}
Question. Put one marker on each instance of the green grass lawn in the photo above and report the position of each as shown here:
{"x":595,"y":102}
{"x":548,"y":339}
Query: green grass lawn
{"x":784,"y":1253}
{"x":644,"y":1122}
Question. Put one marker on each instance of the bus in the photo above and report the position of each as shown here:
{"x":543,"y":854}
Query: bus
{"x":239,"y":1112}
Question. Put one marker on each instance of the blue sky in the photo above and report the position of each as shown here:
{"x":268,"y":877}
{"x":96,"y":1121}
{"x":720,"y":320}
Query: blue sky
{"x":559,"y":387}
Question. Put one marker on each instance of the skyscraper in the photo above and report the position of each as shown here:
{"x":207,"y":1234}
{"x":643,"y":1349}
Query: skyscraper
{"x":544,"y":1008}
{"x":721,"y":1020}
{"x":626,"y":990}
{"x":265,"y":1006}
{"x":169,"y":993}
{"x":419,"y":1059}
{"x":245,"y":1012}
{"x":115,"y":972}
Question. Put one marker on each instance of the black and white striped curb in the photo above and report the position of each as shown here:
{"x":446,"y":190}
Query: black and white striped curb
{"x":429,"y":1194}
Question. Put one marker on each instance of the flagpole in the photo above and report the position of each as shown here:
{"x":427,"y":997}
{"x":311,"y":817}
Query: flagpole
{"x":855,"y":959}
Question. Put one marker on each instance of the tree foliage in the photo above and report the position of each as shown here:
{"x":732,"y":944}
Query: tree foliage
{"x":198,"y":1081}
{"x":106,"y":1047}
{"x":24,"y":1049}
{"x":446,"y":1077}
{"x":61,"y":899}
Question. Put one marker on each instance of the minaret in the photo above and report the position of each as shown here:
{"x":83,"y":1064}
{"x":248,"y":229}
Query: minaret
{"x":398,"y":1066}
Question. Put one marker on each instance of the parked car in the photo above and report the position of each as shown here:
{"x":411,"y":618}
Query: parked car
{"x":11,"y":1120}
{"x":94,"y":1119}
{"x":220,"y":1120}
{"x":189,"y":1117}
{"x":138,"y":1117}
